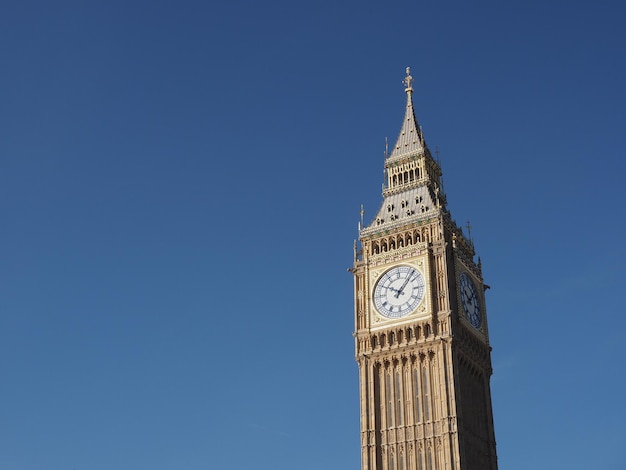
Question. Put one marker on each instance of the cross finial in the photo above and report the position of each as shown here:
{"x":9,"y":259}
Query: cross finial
{"x":469,"y":230}
{"x":408,"y":80}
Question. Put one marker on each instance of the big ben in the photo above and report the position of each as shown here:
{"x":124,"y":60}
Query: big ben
{"x":421,"y":334}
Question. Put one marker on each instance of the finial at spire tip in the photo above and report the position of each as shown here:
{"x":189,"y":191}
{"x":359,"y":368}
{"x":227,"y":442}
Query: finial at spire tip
{"x":408,"y":80}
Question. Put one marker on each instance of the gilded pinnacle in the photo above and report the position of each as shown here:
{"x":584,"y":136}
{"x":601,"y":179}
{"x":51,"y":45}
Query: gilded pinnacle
{"x":408,"y":80}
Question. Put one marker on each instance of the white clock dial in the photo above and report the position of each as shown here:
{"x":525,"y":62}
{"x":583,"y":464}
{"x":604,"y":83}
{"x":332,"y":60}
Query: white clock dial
{"x":399,"y":291}
{"x":470,"y":301}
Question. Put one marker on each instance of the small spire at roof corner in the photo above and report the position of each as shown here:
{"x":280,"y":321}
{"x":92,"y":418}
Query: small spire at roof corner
{"x":408,"y":80}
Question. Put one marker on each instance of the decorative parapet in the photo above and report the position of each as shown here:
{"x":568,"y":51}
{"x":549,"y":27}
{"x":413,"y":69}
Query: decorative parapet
{"x":398,"y":254}
{"x":404,"y":223}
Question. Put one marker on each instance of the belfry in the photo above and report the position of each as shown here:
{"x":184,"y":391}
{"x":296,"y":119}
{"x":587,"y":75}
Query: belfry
{"x":421,"y":335}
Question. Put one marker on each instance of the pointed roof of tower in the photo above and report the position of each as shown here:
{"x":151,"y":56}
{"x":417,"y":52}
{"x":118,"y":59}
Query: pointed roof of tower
{"x":410,"y":140}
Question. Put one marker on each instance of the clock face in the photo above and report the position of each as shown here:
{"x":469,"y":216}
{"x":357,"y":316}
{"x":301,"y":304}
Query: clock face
{"x":399,"y":291}
{"x":470,"y":301}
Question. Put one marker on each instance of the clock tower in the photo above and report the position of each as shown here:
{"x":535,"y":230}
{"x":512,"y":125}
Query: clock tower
{"x":421,"y":335}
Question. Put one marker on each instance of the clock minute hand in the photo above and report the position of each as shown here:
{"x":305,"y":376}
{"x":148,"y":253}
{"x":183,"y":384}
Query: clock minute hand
{"x":406,"y":281}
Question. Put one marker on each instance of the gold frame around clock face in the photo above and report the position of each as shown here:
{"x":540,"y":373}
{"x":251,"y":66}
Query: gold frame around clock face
{"x":398,"y":291}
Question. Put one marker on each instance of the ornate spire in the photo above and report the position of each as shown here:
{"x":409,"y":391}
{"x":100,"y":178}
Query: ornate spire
{"x":410,"y":140}
{"x":412,"y":187}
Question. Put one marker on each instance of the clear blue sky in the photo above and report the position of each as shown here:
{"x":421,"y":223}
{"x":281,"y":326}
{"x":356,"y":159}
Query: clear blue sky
{"x":180,"y":185}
